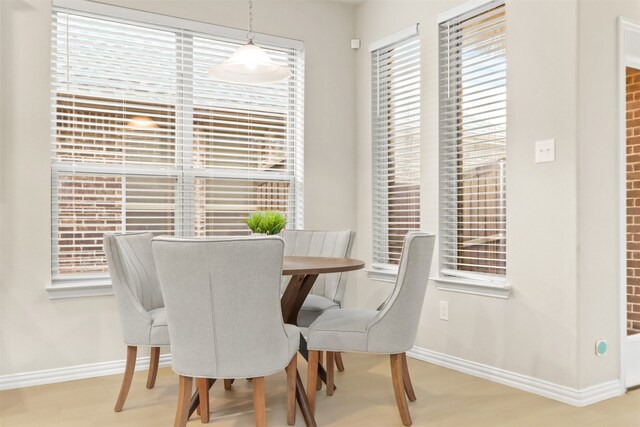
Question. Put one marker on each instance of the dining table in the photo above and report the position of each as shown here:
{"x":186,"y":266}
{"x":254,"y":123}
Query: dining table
{"x":304,"y":271}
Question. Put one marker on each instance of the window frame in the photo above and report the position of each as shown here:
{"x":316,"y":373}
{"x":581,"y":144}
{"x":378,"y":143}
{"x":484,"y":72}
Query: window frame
{"x":181,"y":170}
{"x":462,"y":281}
{"x":385,"y":271}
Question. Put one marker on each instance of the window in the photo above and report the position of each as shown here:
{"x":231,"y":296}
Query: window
{"x":395,"y":67}
{"x":144,"y":140}
{"x":473,"y":145}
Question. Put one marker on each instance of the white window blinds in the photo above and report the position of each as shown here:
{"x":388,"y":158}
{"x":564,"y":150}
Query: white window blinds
{"x":395,"y":66}
{"x":473,"y":148}
{"x":143,"y":140}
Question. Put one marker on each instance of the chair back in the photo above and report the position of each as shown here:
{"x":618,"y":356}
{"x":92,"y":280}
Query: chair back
{"x":321,"y":243}
{"x":134,"y":280}
{"x":223,"y":305}
{"x":395,"y":327}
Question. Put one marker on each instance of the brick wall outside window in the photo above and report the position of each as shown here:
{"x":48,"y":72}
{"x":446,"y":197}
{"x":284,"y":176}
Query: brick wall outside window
{"x":633,"y":201}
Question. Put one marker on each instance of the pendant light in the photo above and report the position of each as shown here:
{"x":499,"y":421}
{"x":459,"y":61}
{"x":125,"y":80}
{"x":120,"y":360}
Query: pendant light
{"x":249,"y":64}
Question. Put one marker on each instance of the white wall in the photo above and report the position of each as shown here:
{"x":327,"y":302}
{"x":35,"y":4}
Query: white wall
{"x":534,"y":332}
{"x":37,"y":333}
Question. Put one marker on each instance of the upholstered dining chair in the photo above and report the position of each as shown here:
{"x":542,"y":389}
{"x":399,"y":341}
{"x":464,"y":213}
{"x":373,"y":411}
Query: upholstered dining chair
{"x":137,"y":290}
{"x":225,"y":321}
{"x":328,"y":291}
{"x":391,"y":330}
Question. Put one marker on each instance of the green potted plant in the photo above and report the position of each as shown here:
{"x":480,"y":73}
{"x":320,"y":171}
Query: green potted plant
{"x":266,"y":222}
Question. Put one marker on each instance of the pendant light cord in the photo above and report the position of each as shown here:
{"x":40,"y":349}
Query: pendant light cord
{"x":250,"y":34}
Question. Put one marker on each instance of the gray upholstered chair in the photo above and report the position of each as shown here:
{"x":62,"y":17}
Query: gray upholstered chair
{"x":225,"y":320}
{"x":143,"y":317}
{"x":391,"y":330}
{"x":328,"y":291}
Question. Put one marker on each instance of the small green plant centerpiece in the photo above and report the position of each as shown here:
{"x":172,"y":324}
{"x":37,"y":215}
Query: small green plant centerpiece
{"x":267,"y":222}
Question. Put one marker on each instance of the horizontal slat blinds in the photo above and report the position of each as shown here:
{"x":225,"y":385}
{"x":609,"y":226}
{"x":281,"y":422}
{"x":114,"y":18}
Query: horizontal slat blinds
{"x":143,"y":139}
{"x":396,"y":146}
{"x":473,"y":148}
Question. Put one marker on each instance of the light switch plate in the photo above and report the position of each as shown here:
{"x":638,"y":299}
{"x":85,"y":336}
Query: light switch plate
{"x":546,"y":151}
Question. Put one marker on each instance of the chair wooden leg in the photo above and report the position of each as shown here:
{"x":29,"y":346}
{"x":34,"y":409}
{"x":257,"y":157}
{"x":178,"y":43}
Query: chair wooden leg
{"x":398,"y":388}
{"x":184,"y":401}
{"x":320,"y":360}
{"x":339,"y":363}
{"x":406,"y":379}
{"x":203,"y":394}
{"x":330,"y":368}
{"x":209,"y":382}
{"x":130,"y":367}
{"x":312,"y":379}
{"x":227,"y":384}
{"x":154,"y":360}
{"x":292,"y":370}
{"x":259,"y":404}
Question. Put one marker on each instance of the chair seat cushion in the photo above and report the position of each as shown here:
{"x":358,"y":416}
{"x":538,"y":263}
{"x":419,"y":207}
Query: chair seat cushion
{"x":314,"y":306}
{"x":159,"y":332}
{"x":343,"y":330}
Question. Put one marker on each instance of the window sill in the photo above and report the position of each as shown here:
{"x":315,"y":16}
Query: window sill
{"x":388,"y":275}
{"x":79,"y":289}
{"x":473,"y":287}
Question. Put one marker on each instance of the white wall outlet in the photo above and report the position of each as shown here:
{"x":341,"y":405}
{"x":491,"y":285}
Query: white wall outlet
{"x":546,"y":151}
{"x":355,"y":43}
{"x":444,"y":310}
{"x":601,"y":347}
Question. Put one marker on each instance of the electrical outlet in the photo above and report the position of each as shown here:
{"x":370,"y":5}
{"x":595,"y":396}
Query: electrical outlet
{"x":444,"y":310}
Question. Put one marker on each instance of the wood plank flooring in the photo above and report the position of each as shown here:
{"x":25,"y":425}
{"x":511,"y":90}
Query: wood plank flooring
{"x":364,"y":398}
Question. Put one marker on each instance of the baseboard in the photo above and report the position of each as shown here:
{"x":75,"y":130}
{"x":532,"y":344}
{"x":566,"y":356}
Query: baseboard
{"x":79,"y":372}
{"x":575,"y":397}
{"x":571,"y":396}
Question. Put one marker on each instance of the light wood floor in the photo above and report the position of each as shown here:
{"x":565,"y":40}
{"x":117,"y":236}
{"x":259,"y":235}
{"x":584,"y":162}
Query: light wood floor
{"x":364,"y":398}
